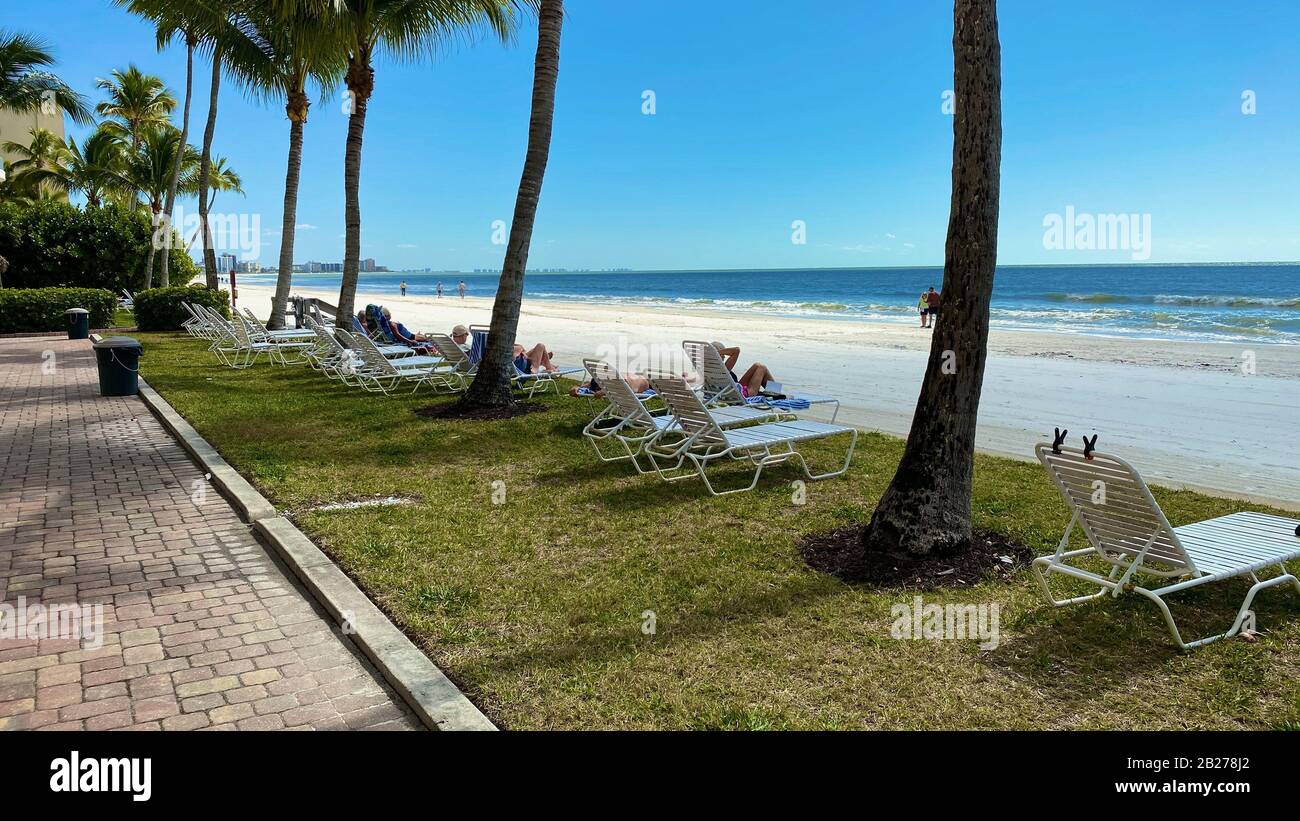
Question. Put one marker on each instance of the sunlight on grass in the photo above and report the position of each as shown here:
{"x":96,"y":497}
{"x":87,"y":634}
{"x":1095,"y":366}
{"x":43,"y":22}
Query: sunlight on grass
{"x":535,"y":606}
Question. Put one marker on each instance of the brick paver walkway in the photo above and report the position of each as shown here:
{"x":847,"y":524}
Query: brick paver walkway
{"x":201,"y":627}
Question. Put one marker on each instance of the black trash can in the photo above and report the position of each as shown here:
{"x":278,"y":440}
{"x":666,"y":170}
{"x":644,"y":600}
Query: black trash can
{"x":118,"y":358}
{"x":78,"y":323}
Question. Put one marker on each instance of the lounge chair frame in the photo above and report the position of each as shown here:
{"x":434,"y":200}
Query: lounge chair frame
{"x":1127,"y":530}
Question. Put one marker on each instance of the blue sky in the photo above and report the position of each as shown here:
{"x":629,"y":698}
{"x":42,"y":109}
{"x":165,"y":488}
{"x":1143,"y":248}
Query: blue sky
{"x":769,"y":112}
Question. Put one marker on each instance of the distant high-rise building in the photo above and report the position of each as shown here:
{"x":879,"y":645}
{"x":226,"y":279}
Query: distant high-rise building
{"x":368,"y":265}
{"x":226,"y":263}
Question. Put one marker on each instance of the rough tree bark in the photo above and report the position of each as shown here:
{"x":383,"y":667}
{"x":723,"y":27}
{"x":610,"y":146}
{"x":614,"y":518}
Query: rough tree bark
{"x":927,"y":506}
{"x":491,"y":386}
{"x":205,"y":168}
{"x":296,"y":109}
{"x":361,"y":83}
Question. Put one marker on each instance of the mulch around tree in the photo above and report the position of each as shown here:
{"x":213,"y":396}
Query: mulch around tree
{"x":454,"y":411}
{"x":839,"y":552}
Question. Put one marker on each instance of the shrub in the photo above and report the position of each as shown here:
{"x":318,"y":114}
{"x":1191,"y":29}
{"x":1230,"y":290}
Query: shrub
{"x":25,"y":310}
{"x":159,"y":309}
{"x":52,"y":244}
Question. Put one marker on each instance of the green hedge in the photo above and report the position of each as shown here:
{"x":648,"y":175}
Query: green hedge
{"x":159,"y":309}
{"x":52,"y":244}
{"x":24,"y":310}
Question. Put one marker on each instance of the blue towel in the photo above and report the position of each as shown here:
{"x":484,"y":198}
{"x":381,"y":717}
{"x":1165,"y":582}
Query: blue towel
{"x":789,"y":403}
{"x":478,"y":346}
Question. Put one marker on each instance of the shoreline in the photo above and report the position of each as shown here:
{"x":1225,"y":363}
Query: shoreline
{"x":1184,"y":413}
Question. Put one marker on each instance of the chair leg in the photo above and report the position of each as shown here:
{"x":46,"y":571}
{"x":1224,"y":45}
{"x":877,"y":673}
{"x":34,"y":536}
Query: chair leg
{"x":1046,"y":562}
{"x":1242,"y":611}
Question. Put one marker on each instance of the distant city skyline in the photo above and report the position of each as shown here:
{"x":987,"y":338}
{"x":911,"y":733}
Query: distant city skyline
{"x":679,"y":145}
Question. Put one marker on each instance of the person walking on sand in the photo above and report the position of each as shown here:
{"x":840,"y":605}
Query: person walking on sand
{"x":402,"y":286}
{"x":924,"y":307}
{"x":461,"y":288}
{"x":933,"y":299}
{"x":439,"y":289}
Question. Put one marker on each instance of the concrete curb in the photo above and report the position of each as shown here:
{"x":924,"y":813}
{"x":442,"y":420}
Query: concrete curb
{"x":250,"y":504}
{"x":424,"y":687}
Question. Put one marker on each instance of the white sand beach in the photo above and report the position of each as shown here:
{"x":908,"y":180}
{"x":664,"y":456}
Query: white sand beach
{"x":1187,"y":414}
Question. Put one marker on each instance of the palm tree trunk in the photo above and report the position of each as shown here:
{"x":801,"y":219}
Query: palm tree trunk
{"x":491,"y":386}
{"x":180,"y":158}
{"x":284,"y":277}
{"x":153,"y":249}
{"x":360,"y":81}
{"x":205,"y":167}
{"x":927,"y":506}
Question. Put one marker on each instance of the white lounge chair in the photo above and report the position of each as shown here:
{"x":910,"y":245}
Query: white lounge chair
{"x":704,"y":440}
{"x":378,"y":372}
{"x":1127,"y":530}
{"x":296,"y":334}
{"x":635,"y":427}
{"x":721,"y":388}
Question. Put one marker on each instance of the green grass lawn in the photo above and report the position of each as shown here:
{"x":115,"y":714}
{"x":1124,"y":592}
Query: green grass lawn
{"x":534,"y":606}
{"x":123,"y":318}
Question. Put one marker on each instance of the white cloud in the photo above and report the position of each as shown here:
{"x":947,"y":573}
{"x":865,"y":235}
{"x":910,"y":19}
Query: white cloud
{"x":304,"y":226}
{"x":406,"y":245}
{"x":890,"y":236}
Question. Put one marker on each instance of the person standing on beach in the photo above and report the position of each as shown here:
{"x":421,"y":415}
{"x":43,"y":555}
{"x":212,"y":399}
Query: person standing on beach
{"x":439,"y":289}
{"x":403,"y":287}
{"x":924,"y":307}
{"x":933,"y":299}
{"x":461,"y":288}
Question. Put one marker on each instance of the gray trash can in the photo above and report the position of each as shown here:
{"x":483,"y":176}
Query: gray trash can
{"x":78,"y":323}
{"x":118,"y":358}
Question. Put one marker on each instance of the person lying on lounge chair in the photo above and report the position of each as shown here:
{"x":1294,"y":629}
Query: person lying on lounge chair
{"x":534,"y":359}
{"x":460,"y":335}
{"x":359,"y":323}
{"x":401,"y":334}
{"x":755,"y":378}
{"x":638,"y":383}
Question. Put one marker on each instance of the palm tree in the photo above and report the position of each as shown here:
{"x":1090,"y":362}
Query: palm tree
{"x":136,"y":101}
{"x":927,"y":506}
{"x":35,"y":159}
{"x":193,"y":22}
{"x":407,"y":29}
{"x":149,"y":171}
{"x":295,"y":45}
{"x":94,"y":168}
{"x":491,"y":387}
{"x":24,"y":84}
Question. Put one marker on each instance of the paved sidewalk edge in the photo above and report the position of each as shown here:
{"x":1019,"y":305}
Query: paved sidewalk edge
{"x":424,"y":687}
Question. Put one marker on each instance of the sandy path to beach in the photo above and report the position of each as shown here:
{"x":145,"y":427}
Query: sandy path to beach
{"x":1186,"y":414}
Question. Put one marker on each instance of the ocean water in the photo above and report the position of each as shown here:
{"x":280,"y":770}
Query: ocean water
{"x":1240,"y":303}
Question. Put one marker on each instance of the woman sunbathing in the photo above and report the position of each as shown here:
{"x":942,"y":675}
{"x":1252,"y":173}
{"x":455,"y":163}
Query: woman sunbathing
{"x":534,"y":359}
{"x":755,"y":378}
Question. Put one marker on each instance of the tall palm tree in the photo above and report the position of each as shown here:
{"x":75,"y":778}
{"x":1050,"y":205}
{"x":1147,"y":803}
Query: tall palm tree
{"x":927,"y":506}
{"x":196,"y":24}
{"x":491,"y":386}
{"x":407,"y":29}
{"x":94,"y":168}
{"x":136,"y":102}
{"x":299,"y":46}
{"x":149,"y":171}
{"x":25,"y":85}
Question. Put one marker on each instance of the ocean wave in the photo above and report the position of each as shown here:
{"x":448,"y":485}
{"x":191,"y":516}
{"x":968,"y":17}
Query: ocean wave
{"x":1214,"y":301}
